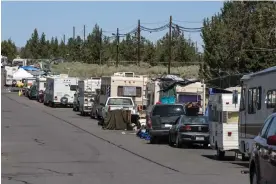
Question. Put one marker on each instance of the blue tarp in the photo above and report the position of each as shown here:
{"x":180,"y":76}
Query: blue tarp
{"x":29,"y":68}
{"x":168,"y":100}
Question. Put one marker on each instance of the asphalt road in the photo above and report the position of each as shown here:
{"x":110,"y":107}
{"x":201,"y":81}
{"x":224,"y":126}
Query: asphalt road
{"x":45,"y":145}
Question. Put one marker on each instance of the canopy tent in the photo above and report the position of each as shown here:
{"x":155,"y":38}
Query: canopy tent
{"x":29,"y":68}
{"x":20,"y":74}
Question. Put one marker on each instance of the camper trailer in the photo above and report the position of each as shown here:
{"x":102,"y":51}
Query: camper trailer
{"x":19,"y":62}
{"x":86,"y":93}
{"x":258,"y":99}
{"x":8,"y":75}
{"x":60,"y":91}
{"x":223,"y":114}
{"x":123,"y":84}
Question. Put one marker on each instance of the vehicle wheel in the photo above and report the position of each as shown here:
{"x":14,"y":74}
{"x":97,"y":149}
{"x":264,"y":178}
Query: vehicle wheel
{"x":244,"y":158}
{"x":254,"y":177}
{"x":153,"y":140}
{"x":220,"y":154}
{"x":178,"y":143}
{"x":170,"y":141}
{"x":53,"y":105}
{"x":206,"y":146}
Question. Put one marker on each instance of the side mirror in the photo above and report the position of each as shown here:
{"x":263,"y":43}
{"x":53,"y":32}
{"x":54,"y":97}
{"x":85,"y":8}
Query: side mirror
{"x":271,"y":140}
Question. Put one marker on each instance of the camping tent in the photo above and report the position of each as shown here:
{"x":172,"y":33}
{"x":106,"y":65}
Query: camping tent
{"x":20,"y":74}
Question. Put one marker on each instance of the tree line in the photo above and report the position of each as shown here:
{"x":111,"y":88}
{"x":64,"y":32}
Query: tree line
{"x":241,"y":38}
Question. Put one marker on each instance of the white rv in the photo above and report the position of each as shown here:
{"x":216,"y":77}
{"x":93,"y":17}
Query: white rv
{"x":258,"y":99}
{"x":123,"y":84}
{"x":60,"y":91}
{"x":86,"y":93}
{"x":19,"y":62}
{"x":223,"y":113}
{"x":8,"y":75}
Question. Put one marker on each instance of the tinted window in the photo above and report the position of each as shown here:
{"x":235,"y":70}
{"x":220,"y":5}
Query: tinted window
{"x":73,"y":87}
{"x":168,"y":110}
{"x":265,"y":127}
{"x":272,"y":128}
{"x":119,"y":101}
{"x":194,"y":120}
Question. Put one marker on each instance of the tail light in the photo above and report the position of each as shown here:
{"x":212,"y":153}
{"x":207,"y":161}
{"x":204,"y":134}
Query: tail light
{"x":109,"y":108}
{"x":229,"y":134}
{"x":185,"y":128}
{"x":149,"y":123}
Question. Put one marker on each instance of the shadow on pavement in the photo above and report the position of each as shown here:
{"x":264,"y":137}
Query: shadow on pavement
{"x":229,"y":159}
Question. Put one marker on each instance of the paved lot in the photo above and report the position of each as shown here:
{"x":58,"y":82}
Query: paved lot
{"x":45,"y":145}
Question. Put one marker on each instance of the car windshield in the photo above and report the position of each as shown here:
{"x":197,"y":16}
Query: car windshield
{"x":119,"y":101}
{"x":194,"y":120}
{"x":168,"y":110}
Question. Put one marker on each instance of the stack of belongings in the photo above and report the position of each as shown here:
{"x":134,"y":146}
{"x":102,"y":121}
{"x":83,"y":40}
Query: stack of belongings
{"x":192,"y":108}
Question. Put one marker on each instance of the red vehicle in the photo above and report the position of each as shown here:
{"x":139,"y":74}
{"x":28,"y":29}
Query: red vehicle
{"x":262,"y":168}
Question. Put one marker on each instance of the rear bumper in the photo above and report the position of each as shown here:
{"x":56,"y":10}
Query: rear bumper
{"x":159,"y":133}
{"x":201,"y":138}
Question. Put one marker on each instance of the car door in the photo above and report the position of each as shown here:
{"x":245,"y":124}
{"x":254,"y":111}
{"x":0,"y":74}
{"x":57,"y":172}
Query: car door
{"x":269,"y":160}
{"x":261,"y":147}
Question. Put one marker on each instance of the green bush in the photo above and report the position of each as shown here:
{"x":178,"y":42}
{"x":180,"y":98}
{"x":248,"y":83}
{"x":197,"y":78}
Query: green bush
{"x":83,"y":70}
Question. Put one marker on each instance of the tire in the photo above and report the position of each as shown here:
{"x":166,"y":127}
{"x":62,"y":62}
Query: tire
{"x":220,"y":154}
{"x":178,"y":143}
{"x":153,"y":140}
{"x":254,"y":179}
{"x":170,"y":141}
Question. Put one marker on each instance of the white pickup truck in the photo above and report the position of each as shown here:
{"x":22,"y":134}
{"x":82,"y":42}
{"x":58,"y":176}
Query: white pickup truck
{"x":114,"y":103}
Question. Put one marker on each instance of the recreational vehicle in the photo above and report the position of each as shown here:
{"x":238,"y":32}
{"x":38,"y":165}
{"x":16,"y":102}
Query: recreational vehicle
{"x":123,"y":84}
{"x":19,"y":62}
{"x":86,"y":92}
{"x":258,"y":99}
{"x":8,"y":75}
{"x":60,"y":91}
{"x":223,"y":114}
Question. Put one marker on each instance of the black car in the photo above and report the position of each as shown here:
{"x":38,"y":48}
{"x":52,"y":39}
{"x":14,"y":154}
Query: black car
{"x":262,"y":166}
{"x":161,"y":118}
{"x":189,"y":130}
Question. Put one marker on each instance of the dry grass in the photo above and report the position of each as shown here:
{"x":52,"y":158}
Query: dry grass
{"x":82,"y":70}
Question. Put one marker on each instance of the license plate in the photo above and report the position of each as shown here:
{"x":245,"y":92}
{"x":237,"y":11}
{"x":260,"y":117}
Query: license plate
{"x":200,"y":138}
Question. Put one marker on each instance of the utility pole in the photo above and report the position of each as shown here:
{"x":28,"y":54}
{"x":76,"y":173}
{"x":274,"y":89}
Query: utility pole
{"x":64,"y":38}
{"x":139,"y":40}
{"x":118,"y":41}
{"x":83,"y":32}
{"x":170,"y":46}
{"x":74,"y":32}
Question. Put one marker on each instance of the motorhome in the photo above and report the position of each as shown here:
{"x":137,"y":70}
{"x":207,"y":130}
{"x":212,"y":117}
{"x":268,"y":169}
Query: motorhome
{"x":123,"y":84}
{"x":258,"y":99}
{"x":60,"y":91}
{"x":192,"y":92}
{"x":4,"y":61}
{"x":8,"y":75}
{"x":86,"y":93}
{"x":223,"y":114}
{"x":19,"y":62}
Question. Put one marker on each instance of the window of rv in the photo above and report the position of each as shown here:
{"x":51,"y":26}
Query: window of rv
{"x":130,"y":91}
{"x":254,"y":99}
{"x":73,"y":87}
{"x":242,"y":100}
{"x":271,"y":99}
{"x":119,"y":101}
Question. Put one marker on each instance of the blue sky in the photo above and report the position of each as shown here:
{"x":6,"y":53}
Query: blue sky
{"x":58,"y":18}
